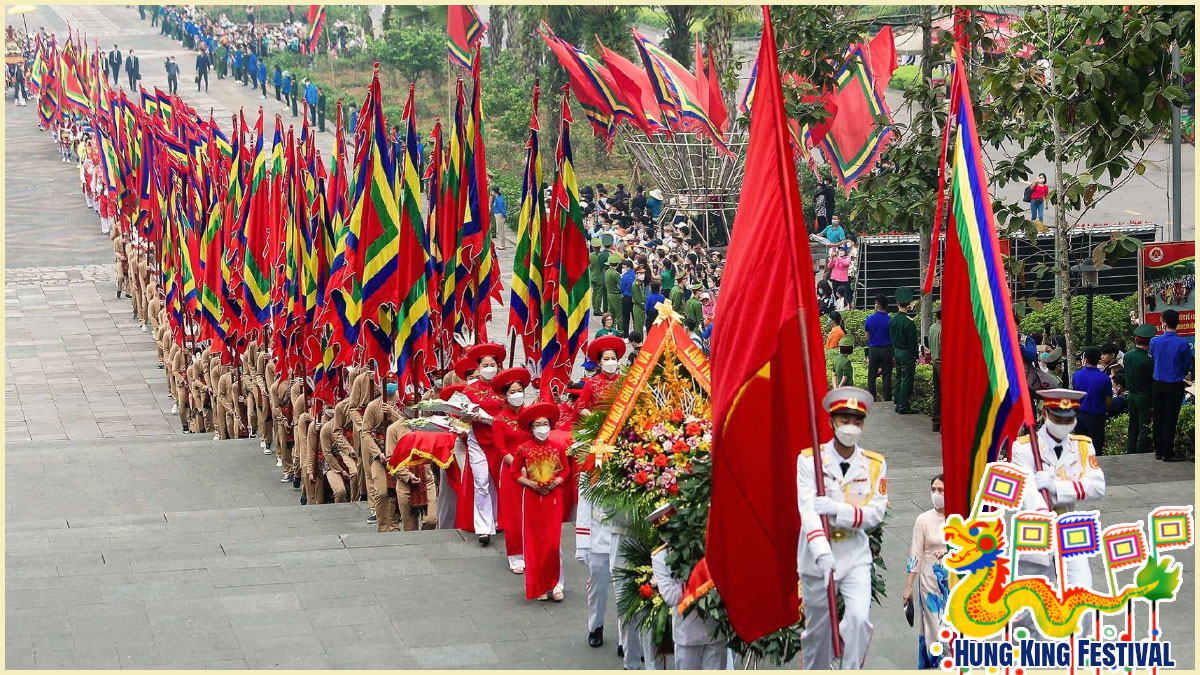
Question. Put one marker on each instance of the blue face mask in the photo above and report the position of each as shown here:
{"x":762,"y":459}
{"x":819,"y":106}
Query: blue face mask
{"x":392,"y":387}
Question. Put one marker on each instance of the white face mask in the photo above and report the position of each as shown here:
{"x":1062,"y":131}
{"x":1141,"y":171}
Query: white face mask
{"x":541,"y":433}
{"x":848,"y":434}
{"x":1060,"y":431}
{"x":487,"y":372}
{"x":610,"y":366}
{"x":939,"y":500}
{"x":516,"y":399}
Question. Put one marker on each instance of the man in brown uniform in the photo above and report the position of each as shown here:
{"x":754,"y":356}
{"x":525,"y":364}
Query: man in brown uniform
{"x":262,"y":406}
{"x":229,"y":421}
{"x":246,"y":407}
{"x":362,"y":390}
{"x":201,"y":416}
{"x":380,"y":415}
{"x":284,"y":425}
{"x":122,"y":260}
{"x":412,"y":481}
{"x":341,"y":467}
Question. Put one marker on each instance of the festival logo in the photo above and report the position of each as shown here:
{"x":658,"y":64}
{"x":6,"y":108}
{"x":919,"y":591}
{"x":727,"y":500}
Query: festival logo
{"x":1002,"y":616}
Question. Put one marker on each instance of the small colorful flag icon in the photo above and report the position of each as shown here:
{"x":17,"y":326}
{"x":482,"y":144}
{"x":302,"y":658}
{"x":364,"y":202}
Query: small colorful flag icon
{"x":1172,"y":527}
{"x":1078,"y":534}
{"x":1031,"y":532}
{"x":1124,"y":545}
{"x":1003,"y":485}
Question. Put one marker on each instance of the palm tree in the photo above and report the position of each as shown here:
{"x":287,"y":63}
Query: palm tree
{"x":678,"y":42}
{"x":718,"y":33}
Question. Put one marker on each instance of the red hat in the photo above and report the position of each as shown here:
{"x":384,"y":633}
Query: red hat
{"x":450,"y":390}
{"x":476,"y":353}
{"x":602,"y":344}
{"x":533,"y":412}
{"x":507,"y":376}
{"x":463,"y":366}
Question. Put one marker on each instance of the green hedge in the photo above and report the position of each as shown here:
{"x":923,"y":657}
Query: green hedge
{"x":852,"y":321}
{"x":922,"y":395}
{"x":904,"y":76}
{"x":1110,"y":319}
{"x":1116,"y":429}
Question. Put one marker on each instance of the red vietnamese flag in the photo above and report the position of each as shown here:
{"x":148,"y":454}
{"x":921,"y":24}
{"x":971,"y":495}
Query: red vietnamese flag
{"x":766,"y":388}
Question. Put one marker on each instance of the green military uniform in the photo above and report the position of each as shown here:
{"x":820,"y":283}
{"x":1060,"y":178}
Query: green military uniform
{"x":676,"y":297}
{"x":1139,"y":379}
{"x":221,"y":55}
{"x":695,"y":311}
{"x":596,"y":266}
{"x":612,"y":289}
{"x":639,"y":306}
{"x":904,"y":336}
{"x":843,"y":370}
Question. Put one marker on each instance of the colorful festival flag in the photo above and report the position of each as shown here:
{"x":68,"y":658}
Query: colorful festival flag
{"x":768,"y":377}
{"x":634,"y":88}
{"x":1078,"y":534}
{"x":856,"y":139}
{"x":1172,"y":527}
{"x":1031,"y":532}
{"x":316,"y":23}
{"x":976,"y":306}
{"x":1003,"y":486}
{"x":463,"y":31}
{"x":1124,"y":545}
{"x":524,"y":318}
{"x":412,"y":331}
{"x":677,"y":91}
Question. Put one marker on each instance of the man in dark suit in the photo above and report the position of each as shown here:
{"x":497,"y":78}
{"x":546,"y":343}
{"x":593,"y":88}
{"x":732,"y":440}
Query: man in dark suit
{"x":114,"y":64}
{"x":133,"y":68}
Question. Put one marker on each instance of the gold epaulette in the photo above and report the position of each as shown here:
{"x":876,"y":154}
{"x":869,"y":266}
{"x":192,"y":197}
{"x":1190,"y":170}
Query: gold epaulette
{"x":655,"y":551}
{"x":873,"y":456}
{"x":807,"y":452}
{"x":1081,"y":437}
{"x":1023,"y":439}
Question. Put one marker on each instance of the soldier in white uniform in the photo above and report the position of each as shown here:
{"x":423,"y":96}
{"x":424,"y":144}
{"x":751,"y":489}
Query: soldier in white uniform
{"x":697,"y":644}
{"x":1070,"y":474}
{"x":855,"y":501}
{"x":597,"y":544}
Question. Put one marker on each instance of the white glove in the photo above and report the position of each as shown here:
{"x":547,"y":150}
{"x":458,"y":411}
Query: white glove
{"x":825,"y":564}
{"x":825,"y":506}
{"x":581,"y":555}
{"x":1045,"y":480}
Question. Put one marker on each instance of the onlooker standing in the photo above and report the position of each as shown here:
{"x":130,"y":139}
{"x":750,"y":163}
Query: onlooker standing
{"x":935,"y":356}
{"x":655,"y":203}
{"x":321,"y":111}
{"x":627,"y":279}
{"x":172,"y":75}
{"x":905,"y":343}
{"x":277,"y":81}
{"x":1037,"y":198}
{"x":653,"y":299}
{"x":114,"y":64}
{"x":836,"y":333}
{"x":133,"y":68}
{"x":202,"y":63}
{"x":295,"y":93}
{"x":1139,"y":383}
{"x":1097,"y":387}
{"x":500,"y":217}
{"x":823,"y":204}
{"x":1174,"y":358}
{"x":310,"y":100}
{"x":262,"y":78}
{"x":843,"y":370}
{"x":839,"y":271}
{"x":834,"y":232}
{"x":1120,"y":404}
{"x":931,"y":579}
{"x":879,"y":348}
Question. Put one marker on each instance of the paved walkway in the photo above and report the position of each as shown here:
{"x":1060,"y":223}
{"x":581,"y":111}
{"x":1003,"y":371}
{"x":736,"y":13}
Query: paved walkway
{"x":130,"y":545}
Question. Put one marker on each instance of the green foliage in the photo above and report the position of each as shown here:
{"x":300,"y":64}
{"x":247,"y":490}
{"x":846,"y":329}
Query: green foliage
{"x":922,"y":393}
{"x":852,"y":322}
{"x":1185,"y":432}
{"x":905,"y":76}
{"x":510,"y":186}
{"x":413,"y":50}
{"x":1115,"y":430}
{"x":1110,"y":319}
{"x":508,"y":103}
{"x":678,"y":41}
{"x":651,"y":613}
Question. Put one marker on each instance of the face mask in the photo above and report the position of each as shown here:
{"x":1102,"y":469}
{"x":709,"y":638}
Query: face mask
{"x":1060,"y":431}
{"x":939,"y":501}
{"x":517,"y":399}
{"x":487,"y":372}
{"x":610,"y":366}
{"x":392,"y":387}
{"x":541,"y":433}
{"x":848,"y":434}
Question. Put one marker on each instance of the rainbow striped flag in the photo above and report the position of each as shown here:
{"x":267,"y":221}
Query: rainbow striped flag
{"x":976,"y":306}
{"x":316,"y":23}
{"x":412,"y":331}
{"x":524,"y":307}
{"x":677,"y":91}
{"x":463,"y":31}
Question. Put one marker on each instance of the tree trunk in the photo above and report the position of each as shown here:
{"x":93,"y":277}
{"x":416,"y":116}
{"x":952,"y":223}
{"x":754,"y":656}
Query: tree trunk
{"x":678,"y":42}
{"x":528,"y":18}
{"x":926,"y":231}
{"x":1062,"y":273}
{"x":501,"y":16}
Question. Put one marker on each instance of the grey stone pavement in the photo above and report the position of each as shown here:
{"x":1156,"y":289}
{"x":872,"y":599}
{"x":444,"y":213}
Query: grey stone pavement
{"x":157,"y":550}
